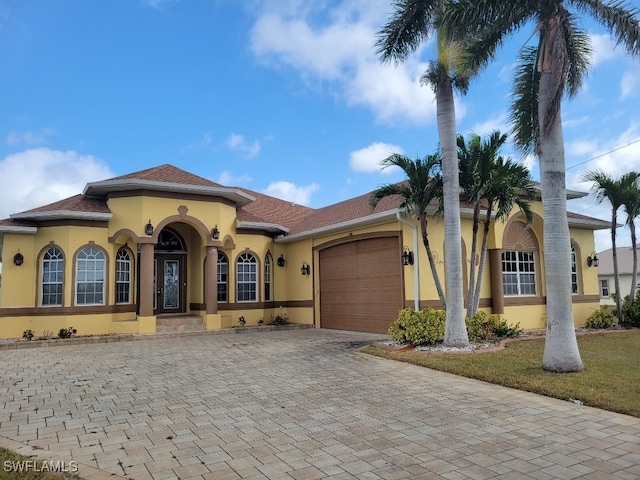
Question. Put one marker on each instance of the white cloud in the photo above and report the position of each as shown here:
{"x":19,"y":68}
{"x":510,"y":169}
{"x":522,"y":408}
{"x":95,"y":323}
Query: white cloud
{"x":41,"y":176}
{"x":629,"y":83}
{"x":238,"y":143}
{"x":368,"y":159}
{"x":227,"y":178}
{"x":15,"y":138}
{"x":603,"y":49}
{"x":498,"y":122}
{"x":339,"y":52}
{"x":290,"y":191}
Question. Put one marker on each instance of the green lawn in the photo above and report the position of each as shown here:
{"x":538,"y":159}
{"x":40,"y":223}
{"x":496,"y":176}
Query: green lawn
{"x":610,"y":380}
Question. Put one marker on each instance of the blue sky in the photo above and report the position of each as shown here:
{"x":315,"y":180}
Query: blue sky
{"x":284,"y":97}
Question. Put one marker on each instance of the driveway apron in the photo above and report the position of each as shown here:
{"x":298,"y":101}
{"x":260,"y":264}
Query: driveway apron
{"x":296,"y":404}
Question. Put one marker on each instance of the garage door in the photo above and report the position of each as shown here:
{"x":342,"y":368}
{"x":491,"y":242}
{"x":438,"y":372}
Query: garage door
{"x":361,"y":285}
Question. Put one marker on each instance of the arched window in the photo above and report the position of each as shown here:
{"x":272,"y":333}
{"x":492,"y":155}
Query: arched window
{"x":519,"y":261}
{"x":90,"y":273}
{"x":52,"y":277}
{"x":247,"y":272}
{"x":123,"y":276}
{"x":268,"y":280}
{"x":223,"y":278}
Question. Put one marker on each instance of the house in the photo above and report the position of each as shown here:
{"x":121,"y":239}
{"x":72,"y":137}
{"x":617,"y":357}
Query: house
{"x":141,"y":252}
{"x":606,"y":279}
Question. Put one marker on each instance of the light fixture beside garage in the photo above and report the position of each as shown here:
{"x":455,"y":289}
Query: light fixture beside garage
{"x":305,"y":269}
{"x":407,"y":256}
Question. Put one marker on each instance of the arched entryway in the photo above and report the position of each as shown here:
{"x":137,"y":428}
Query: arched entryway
{"x":170,"y":273}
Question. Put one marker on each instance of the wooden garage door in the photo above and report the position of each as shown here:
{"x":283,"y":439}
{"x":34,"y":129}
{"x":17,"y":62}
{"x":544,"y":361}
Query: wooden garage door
{"x":361,"y":285}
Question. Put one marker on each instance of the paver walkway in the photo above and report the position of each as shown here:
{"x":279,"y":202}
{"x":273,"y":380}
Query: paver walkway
{"x":298,"y":404}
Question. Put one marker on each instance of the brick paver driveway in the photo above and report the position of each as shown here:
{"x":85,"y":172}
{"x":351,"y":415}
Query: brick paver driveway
{"x":297,"y":404}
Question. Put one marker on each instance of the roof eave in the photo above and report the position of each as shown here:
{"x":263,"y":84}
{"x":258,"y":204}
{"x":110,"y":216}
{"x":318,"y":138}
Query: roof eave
{"x":358,"y":222}
{"x":270,"y":227}
{"x":18,"y":229}
{"x":62,"y":215}
{"x":101,"y":189}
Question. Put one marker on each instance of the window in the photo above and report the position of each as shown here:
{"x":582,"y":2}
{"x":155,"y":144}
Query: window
{"x":268,"y":264}
{"x":52,"y":276}
{"x":518,"y":273}
{"x":223,"y":278}
{"x":123,"y":276}
{"x":247,"y":271}
{"x":574,"y":272}
{"x":90,"y":268}
{"x":604,"y":288}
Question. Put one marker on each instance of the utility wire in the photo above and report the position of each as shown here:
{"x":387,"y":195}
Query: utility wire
{"x":603,"y":154}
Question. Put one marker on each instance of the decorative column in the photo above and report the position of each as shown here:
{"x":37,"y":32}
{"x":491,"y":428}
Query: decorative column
{"x":146,"y":280}
{"x":497,"y":288}
{"x":211,"y":280}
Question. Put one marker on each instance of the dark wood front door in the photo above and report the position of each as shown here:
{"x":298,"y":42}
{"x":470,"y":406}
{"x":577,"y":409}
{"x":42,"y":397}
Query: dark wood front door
{"x":169,"y":283}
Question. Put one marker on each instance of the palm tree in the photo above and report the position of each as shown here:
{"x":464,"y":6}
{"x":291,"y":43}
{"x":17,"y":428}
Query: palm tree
{"x":547,"y":72}
{"x":415,"y":195}
{"x":618,"y":192}
{"x":632,"y":209}
{"x":489,"y":181}
{"x":411,"y":23}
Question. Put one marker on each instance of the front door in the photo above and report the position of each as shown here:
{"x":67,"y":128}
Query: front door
{"x":169,"y":284}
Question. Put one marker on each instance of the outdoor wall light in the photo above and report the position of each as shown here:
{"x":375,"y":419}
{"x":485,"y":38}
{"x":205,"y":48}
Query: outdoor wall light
{"x":148,"y":229}
{"x":281,"y":261}
{"x":305,"y":269}
{"x":407,"y":256}
{"x":215,"y":233}
{"x":18,"y":259}
{"x":593,"y":260}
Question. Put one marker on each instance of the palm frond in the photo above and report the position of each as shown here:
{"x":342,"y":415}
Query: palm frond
{"x":578,"y":45}
{"x":524,"y":107}
{"x":411,"y":23}
{"x":620,"y":18}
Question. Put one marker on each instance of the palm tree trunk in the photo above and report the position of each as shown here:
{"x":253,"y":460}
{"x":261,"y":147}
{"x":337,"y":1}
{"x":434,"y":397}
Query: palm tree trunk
{"x":561,"y":347}
{"x":455,"y":331}
{"x":434,"y":272}
{"x":472,"y":267}
{"x":483,"y":257}
{"x":616,"y":276}
{"x":634,"y":278}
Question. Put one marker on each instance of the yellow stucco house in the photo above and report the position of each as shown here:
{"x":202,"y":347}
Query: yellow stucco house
{"x":144,"y":252}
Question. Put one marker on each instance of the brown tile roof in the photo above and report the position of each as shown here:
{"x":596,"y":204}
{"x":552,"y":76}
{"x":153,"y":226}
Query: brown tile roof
{"x":268,"y":209}
{"x":168,"y":174}
{"x":345,"y":211}
{"x":77,"y":203}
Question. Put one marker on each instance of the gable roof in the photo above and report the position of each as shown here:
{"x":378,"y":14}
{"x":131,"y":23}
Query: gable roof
{"x":625,"y":261}
{"x":166,"y":178}
{"x":254,"y":210}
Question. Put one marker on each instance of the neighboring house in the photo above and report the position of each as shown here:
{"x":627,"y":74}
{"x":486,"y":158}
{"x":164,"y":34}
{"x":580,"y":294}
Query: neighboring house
{"x":133,"y":252}
{"x":606,"y":279}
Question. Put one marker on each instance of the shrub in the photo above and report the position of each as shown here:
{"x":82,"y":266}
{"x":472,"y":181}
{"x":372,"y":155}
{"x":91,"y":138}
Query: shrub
{"x":602,"y":318}
{"x":28,"y":334}
{"x":67,"y":332}
{"x":481,"y":326}
{"x":631,"y":312}
{"x":279,"y":319}
{"x":425,"y":327}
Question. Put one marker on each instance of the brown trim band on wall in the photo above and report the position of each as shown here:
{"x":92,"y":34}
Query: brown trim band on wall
{"x":53,"y":311}
{"x":260,"y":305}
